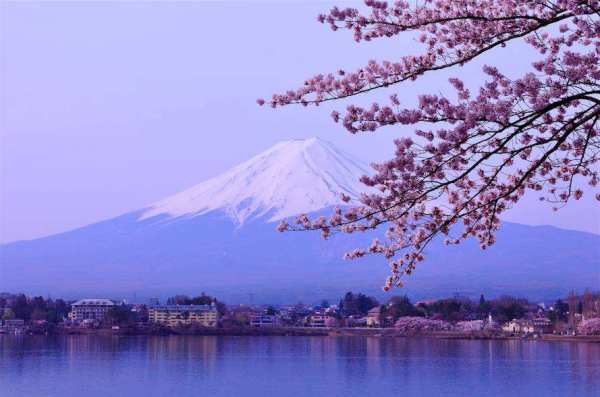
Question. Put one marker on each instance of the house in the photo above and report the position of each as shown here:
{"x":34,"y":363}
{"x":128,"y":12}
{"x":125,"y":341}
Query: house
{"x":90,"y":309}
{"x":241,"y":314}
{"x":518,"y":327}
{"x":542,"y":325}
{"x":290,"y":314}
{"x":14,"y":326}
{"x":356,"y":321}
{"x":174,"y":315}
{"x":264,"y":320}
{"x":332,"y":322}
{"x":317,"y":319}
{"x":374,"y":317}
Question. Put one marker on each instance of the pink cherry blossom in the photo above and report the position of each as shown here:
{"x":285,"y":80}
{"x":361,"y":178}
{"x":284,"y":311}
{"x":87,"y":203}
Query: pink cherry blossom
{"x":473,"y":155}
{"x":589,"y":327}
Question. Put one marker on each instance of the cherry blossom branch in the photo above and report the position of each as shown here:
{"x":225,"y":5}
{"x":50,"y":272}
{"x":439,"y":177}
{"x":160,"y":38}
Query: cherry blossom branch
{"x":537,"y":132}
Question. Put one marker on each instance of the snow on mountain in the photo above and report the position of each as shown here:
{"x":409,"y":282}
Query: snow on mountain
{"x":290,"y":178}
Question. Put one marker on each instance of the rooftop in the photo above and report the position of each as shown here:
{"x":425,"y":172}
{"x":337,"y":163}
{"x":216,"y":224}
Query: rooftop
{"x":189,"y":308}
{"x":94,"y":302}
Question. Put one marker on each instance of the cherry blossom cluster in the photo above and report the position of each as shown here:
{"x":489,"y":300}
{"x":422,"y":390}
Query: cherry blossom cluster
{"x":412,"y":325}
{"x":589,"y":327}
{"x":473,"y":156}
{"x":454,"y":32}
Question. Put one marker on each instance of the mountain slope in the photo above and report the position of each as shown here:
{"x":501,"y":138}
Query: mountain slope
{"x":292,"y":177}
{"x":220,"y":237}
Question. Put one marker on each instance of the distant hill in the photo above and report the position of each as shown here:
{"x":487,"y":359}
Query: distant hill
{"x":220,"y":237}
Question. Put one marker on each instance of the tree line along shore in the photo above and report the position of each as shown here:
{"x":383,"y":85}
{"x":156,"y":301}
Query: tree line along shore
{"x":577,"y":317}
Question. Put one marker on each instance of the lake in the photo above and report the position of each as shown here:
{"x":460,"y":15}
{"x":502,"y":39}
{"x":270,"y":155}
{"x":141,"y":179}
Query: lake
{"x":181,"y":366}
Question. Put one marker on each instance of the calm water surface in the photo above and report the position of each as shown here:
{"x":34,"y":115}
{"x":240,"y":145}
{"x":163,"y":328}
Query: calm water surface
{"x":180,"y":366}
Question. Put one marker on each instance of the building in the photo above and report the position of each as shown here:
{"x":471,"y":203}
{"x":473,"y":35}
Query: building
{"x":356,"y":321}
{"x":542,"y":325}
{"x":519,"y":327}
{"x":374,"y":317}
{"x":242,"y":314}
{"x":90,"y":309}
{"x":490,"y":324}
{"x":174,"y":315}
{"x":14,"y":326}
{"x":317,"y":319}
{"x":264,"y":320}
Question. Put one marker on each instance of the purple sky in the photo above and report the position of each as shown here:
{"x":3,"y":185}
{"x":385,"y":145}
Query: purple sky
{"x":107,"y":107}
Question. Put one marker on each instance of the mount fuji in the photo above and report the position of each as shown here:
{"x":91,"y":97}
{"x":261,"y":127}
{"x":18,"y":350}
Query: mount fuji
{"x":290,"y":178}
{"x":219,"y":237}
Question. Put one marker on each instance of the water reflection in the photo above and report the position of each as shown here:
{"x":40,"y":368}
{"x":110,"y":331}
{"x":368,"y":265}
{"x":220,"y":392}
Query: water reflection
{"x":294,"y":366}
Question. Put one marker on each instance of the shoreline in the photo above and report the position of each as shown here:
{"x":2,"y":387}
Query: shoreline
{"x":305,"y":331}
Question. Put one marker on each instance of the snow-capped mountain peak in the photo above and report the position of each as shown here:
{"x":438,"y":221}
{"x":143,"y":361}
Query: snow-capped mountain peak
{"x":290,"y":178}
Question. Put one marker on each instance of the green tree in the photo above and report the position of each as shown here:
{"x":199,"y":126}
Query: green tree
{"x":203,"y":299}
{"x":358,"y":304}
{"x":22,"y":308}
{"x":38,"y":314}
{"x":119,"y":315}
{"x":400,"y":306}
{"x":507,"y":308}
{"x":179,"y":300}
{"x":485,"y":307}
{"x":39,"y":302}
{"x":559,"y":312}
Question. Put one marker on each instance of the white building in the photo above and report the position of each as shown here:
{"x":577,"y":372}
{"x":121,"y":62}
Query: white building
{"x":518,"y":327}
{"x":374,"y":317}
{"x":90,"y":309}
{"x":176,"y":315}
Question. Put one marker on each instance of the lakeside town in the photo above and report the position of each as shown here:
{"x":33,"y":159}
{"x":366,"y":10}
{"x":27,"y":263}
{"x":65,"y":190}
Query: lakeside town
{"x":576,"y":316}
